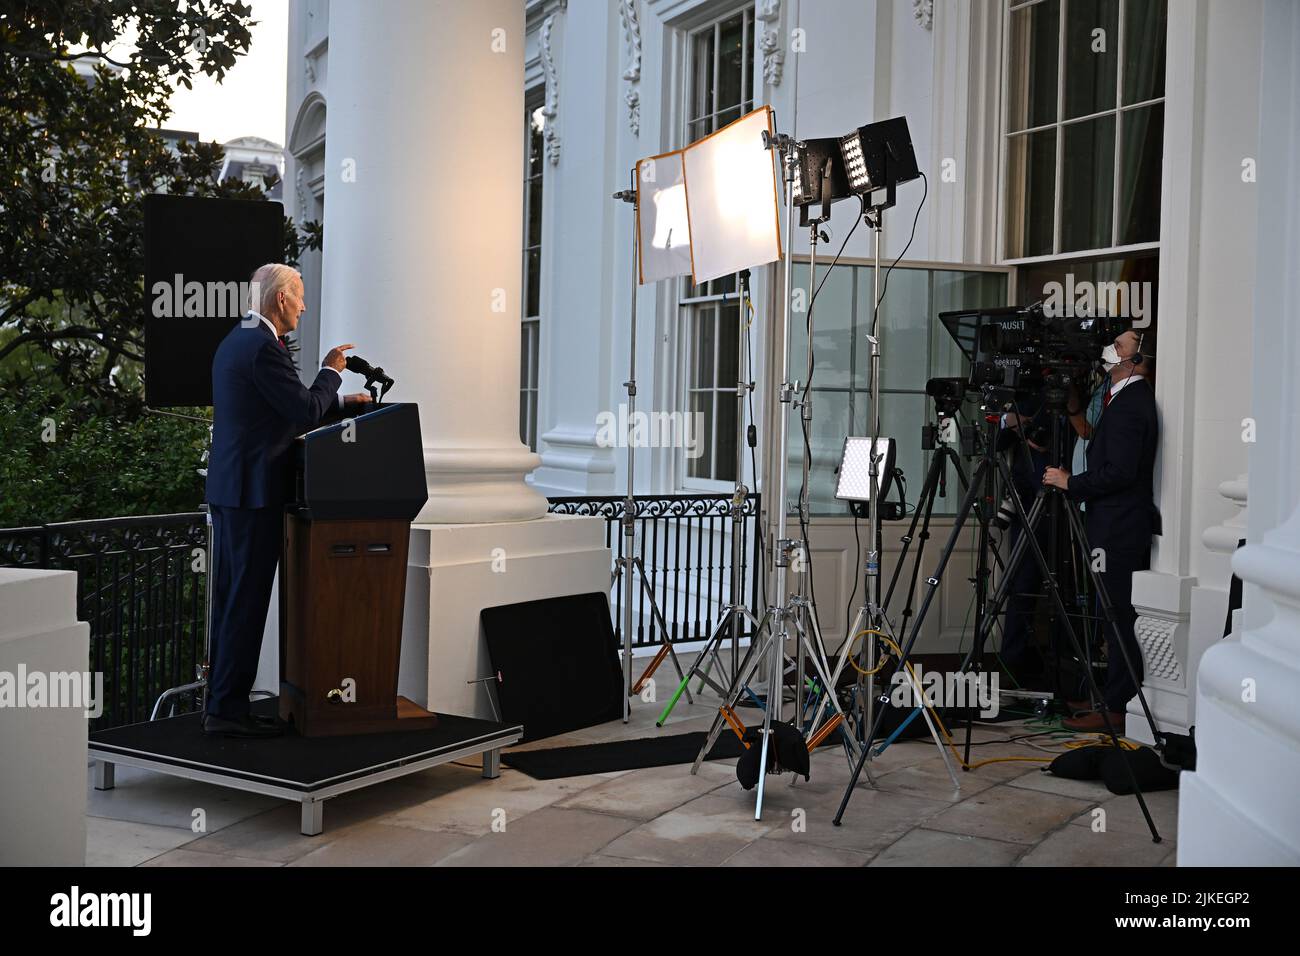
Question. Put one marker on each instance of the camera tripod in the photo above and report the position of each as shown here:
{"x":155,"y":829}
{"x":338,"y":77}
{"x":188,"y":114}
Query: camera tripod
{"x":991,"y":464}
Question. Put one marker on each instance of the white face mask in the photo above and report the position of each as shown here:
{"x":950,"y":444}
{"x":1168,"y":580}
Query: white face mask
{"x":1110,"y":357}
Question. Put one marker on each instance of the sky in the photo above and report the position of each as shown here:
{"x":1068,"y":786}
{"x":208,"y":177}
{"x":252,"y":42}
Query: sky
{"x":250,"y":100}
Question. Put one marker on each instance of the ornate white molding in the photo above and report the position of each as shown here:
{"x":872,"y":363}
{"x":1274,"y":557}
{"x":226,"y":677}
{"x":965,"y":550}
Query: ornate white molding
{"x":1223,"y":538}
{"x":300,"y":192}
{"x":309,"y":69}
{"x":550,"y":108}
{"x":632,"y":74}
{"x":1159,"y":651}
{"x":923,"y":12}
{"x":769,"y":41}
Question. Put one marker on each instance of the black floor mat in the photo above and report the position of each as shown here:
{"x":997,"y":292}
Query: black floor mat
{"x":619,"y":755}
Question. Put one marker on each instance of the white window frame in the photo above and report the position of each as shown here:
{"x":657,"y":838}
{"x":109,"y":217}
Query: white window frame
{"x":688,"y":306}
{"x":1006,"y":135}
{"x":530,"y":325}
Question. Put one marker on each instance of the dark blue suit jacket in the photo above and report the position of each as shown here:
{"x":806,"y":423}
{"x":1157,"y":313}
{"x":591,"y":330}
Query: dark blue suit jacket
{"x":259,"y":407}
{"x":1118,"y":484}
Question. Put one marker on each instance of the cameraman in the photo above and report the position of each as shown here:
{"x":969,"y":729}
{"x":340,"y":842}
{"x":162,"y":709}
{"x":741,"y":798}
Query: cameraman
{"x":1121,"y":515}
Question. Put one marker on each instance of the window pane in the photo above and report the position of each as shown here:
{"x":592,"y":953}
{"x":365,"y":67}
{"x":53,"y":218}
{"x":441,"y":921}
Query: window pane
{"x":1144,"y":50}
{"x":533,"y":260}
{"x":1139,"y":195}
{"x":701,"y":407}
{"x":1091,"y":56}
{"x":702,"y":367}
{"x":1032,"y":62}
{"x":702,"y":64}
{"x":1031,"y":200}
{"x":536,"y":126}
{"x":830,"y":426}
{"x":1088,"y":184}
{"x":832,"y":328}
{"x":731,"y":53}
{"x":728,"y":345}
{"x":904,"y":329}
{"x":534,"y":212}
{"x":725,"y":469}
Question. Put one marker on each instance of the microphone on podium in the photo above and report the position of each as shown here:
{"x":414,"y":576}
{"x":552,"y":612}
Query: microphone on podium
{"x":356,"y":363}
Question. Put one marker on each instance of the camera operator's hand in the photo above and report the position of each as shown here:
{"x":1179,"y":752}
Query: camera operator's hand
{"x":1057,"y":478}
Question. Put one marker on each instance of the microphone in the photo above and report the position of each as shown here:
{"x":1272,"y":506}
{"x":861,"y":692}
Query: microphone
{"x":356,"y":363}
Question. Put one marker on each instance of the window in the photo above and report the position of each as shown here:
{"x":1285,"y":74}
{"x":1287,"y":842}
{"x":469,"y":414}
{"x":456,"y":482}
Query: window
{"x":914,"y":348}
{"x":721,"y":74}
{"x":710,"y":349}
{"x":1084,"y":125}
{"x":529,"y":346}
{"x":719,"y":91}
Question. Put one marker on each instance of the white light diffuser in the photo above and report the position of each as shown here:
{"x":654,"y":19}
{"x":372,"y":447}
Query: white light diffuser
{"x":664,"y":231}
{"x":855,"y":468}
{"x":732,"y":198}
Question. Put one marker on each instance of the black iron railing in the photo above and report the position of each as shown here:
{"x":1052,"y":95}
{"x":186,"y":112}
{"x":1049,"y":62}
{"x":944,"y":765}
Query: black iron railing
{"x":141,"y":581}
{"x":684,"y":543}
{"x":140,"y":586}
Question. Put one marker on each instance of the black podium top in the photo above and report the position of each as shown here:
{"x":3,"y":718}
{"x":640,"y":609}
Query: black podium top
{"x":367,"y":467}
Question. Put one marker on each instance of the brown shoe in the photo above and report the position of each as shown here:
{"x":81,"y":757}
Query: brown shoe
{"x":1093,"y":723}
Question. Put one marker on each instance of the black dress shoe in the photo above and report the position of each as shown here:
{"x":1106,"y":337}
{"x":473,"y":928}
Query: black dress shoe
{"x":246,"y":726}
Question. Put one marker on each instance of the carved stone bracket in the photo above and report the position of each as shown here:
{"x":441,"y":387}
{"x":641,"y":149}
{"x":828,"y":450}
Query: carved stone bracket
{"x":550,"y":109}
{"x":770,"y":41}
{"x":632,"y":74}
{"x":923,"y":11}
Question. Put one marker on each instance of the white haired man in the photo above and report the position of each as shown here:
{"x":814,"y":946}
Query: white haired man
{"x":259,"y":406}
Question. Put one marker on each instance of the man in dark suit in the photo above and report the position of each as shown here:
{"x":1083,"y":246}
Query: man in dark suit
{"x":259,"y":406}
{"x":1121,"y":513}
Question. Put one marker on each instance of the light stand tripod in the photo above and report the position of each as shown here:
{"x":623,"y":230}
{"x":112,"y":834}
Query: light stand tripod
{"x":626,"y":565}
{"x":772,"y":632}
{"x":730,"y":620}
{"x":989,"y":462}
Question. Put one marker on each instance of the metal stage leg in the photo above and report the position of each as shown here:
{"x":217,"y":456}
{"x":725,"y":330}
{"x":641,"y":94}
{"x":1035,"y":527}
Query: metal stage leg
{"x":104,"y":775}
{"x":313,"y":817}
{"x":491,"y":764}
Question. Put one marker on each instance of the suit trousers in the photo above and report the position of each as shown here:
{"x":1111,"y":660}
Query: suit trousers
{"x":1118,"y":580}
{"x":246,"y":546}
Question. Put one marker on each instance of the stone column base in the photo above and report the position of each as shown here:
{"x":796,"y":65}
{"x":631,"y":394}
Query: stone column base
{"x":456,"y":570}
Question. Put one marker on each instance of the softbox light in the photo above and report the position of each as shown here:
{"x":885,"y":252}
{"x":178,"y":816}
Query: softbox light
{"x":732,"y":198}
{"x":663,"y":229}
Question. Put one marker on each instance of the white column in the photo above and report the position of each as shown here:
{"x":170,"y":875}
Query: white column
{"x":423,"y":243}
{"x":1239,"y":807}
{"x":423,"y":234}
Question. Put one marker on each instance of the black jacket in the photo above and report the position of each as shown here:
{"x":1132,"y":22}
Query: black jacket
{"x":259,"y":405}
{"x":1118,"y":483}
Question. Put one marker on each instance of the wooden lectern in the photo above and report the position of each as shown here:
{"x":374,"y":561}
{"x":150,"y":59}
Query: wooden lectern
{"x":359,"y":483}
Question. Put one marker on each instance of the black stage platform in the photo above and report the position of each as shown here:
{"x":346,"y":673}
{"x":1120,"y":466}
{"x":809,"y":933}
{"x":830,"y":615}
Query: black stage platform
{"x":308,"y":770}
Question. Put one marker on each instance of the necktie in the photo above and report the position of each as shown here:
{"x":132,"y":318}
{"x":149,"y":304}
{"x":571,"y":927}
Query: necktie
{"x":1105,"y":399}
{"x":280,"y":339}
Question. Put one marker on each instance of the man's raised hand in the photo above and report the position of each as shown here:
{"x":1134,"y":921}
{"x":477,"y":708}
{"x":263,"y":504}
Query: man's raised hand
{"x":335,"y":358}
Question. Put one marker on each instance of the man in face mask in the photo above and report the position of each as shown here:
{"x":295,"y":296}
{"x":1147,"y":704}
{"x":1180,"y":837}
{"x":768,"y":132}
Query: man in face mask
{"x":1121,"y":515}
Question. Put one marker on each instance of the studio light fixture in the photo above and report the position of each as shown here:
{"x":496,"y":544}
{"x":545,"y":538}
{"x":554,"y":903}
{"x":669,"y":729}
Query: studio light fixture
{"x":878,"y":156}
{"x":820,"y":174}
{"x":855,"y":468}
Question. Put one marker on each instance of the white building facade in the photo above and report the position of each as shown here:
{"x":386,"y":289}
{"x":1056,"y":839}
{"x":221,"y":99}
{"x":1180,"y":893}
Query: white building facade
{"x":1103,"y":140}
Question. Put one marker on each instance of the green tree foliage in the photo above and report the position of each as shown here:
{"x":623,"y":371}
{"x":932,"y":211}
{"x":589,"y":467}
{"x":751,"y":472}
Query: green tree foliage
{"x":79,"y":149}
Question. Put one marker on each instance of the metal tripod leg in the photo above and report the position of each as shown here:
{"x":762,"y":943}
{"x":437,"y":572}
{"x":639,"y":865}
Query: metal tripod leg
{"x":753,"y":657}
{"x":665,"y":648}
{"x":709,"y":652}
{"x":829,"y":699}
